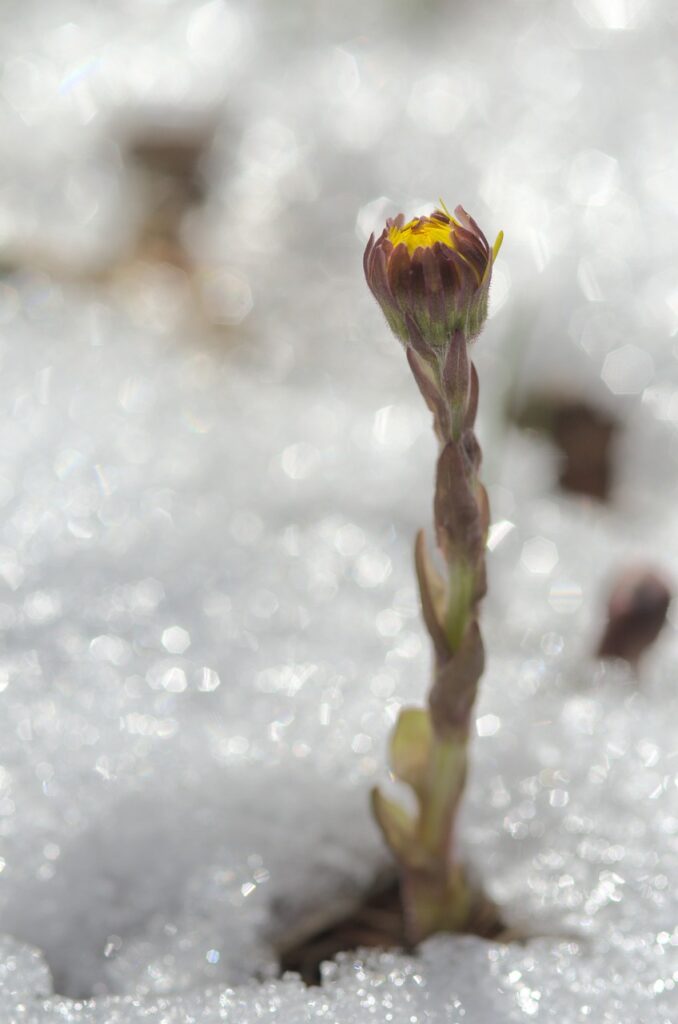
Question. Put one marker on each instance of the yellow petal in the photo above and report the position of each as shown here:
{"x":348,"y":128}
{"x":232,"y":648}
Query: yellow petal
{"x":422,"y":232}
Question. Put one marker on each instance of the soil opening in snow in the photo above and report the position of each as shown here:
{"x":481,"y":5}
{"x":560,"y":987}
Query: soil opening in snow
{"x":376,"y":923}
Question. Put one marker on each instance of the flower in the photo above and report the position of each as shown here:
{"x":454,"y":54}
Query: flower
{"x":431,"y":276}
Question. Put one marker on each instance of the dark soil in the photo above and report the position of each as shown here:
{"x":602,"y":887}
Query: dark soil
{"x":376,"y":923}
{"x":583,"y":434}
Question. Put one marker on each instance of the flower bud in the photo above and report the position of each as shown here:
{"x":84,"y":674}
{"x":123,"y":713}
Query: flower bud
{"x":431,"y":276}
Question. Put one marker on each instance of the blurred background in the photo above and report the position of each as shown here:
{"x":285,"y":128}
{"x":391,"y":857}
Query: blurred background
{"x":214,"y":169}
{"x":213,"y":460}
{"x":221,"y":149}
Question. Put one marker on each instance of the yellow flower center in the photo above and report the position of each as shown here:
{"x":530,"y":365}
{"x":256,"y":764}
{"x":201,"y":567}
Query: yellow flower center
{"x":423,"y":232}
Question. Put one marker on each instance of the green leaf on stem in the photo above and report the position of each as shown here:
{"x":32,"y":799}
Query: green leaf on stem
{"x":395,"y":823}
{"x":410,"y":749}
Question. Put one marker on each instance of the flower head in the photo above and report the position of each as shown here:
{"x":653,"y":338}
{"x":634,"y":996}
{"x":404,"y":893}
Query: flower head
{"x":431,"y":276}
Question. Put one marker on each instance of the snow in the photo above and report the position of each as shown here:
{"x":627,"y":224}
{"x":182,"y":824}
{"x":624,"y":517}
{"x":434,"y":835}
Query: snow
{"x":207,"y":602}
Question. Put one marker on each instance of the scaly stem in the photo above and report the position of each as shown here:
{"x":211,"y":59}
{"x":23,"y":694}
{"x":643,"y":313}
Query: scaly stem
{"x":446,"y":770}
{"x":432,"y":759}
{"x":434,"y":889}
{"x":459,"y":603}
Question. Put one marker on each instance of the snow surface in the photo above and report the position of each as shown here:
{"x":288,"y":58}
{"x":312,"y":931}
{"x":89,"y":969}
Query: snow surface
{"x":207,"y":602}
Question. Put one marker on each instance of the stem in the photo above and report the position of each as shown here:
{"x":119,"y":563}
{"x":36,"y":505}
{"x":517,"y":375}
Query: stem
{"x":435,"y":903}
{"x":446,"y":766}
{"x":459,"y":603}
{"x":435,"y":894}
{"x":437,"y":897}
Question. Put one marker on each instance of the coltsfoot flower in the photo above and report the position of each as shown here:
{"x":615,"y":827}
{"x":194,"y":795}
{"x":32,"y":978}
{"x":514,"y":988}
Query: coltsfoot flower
{"x":431,"y":276}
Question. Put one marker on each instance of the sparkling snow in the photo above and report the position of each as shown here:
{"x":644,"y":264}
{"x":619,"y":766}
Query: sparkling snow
{"x":207,"y":603}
